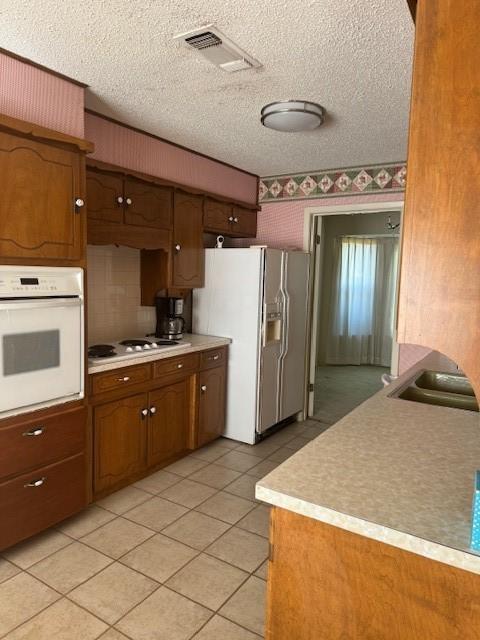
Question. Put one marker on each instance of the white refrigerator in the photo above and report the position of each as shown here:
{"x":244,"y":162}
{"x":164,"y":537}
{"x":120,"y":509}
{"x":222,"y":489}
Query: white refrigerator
{"x":258,"y":298}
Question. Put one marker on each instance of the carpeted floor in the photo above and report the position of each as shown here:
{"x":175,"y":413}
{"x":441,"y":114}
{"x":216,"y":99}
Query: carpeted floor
{"x":339,"y":389}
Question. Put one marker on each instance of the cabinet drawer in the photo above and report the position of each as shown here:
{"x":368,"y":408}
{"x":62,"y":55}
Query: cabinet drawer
{"x":38,"y":499}
{"x":187,"y":363}
{"x":34,"y":443}
{"x":213,"y":358}
{"x":120,"y":378}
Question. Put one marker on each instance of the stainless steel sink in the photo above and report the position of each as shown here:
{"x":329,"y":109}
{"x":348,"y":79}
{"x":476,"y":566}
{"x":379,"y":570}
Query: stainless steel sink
{"x":442,"y":389}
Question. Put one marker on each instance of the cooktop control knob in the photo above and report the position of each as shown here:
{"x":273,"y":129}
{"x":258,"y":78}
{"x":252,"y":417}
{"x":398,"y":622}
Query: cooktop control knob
{"x":129,"y":349}
{"x":138,"y":348}
{"x":154,"y":345}
{"x":146,"y":346}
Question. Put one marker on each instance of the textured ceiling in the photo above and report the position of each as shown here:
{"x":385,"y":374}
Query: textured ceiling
{"x":352,"y":56}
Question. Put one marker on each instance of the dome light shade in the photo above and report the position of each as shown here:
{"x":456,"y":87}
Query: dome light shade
{"x":292,"y":115}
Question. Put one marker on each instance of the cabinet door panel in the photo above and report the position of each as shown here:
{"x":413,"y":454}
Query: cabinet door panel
{"x":244,"y":222}
{"x":211,"y":409}
{"x":38,"y":217}
{"x":103,"y":192}
{"x":188,"y":251}
{"x":148,"y":205}
{"x":217,"y":217}
{"x":119,"y":440}
{"x":168,"y":424}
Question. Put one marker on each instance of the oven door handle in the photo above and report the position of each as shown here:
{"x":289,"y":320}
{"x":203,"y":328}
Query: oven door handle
{"x":32,"y":303}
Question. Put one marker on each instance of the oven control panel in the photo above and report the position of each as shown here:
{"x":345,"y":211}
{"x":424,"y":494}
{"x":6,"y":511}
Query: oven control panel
{"x":32,"y":282}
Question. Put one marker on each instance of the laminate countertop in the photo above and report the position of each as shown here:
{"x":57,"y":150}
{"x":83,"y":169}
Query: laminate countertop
{"x":197,"y":343}
{"x":393,"y":470}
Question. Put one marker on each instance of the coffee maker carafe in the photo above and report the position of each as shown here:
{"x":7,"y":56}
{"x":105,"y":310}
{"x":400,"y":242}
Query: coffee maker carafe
{"x":170,"y":323}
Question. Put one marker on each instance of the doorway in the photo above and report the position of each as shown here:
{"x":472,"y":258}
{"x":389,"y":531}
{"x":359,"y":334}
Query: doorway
{"x":355,"y":255}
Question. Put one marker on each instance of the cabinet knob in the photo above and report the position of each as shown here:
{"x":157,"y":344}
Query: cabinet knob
{"x":120,"y":200}
{"x":203,"y":388}
{"x":153,"y":410}
{"x":230,"y":218}
{"x":123,"y":379}
{"x":128,"y":201}
{"x":215,"y":357}
{"x":180,"y":365}
{"x":37,"y":431}
{"x":144,"y":413}
{"x":79,"y":203}
{"x":178,"y":247}
{"x":35,"y":483}
{"x":235,"y":220}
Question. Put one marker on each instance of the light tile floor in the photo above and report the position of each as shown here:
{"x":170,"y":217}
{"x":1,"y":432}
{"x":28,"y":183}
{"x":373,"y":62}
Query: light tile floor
{"x":181,"y":554}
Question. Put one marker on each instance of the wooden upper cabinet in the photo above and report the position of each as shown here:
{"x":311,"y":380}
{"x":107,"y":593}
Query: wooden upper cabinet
{"x":168,"y":422}
{"x":439,"y":305}
{"x":119,"y":440}
{"x":148,"y":205}
{"x":188,"y":264}
{"x":217,"y":216}
{"x":40,"y":185}
{"x":244,"y":222}
{"x":228,"y":219}
{"x":104,"y":197}
{"x":211,"y":406}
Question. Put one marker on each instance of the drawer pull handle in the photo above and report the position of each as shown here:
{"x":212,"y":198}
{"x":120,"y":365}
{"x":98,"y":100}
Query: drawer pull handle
{"x":34,"y":432}
{"x":215,"y":357}
{"x":180,"y":365}
{"x":35,"y":483}
{"x":124,"y":379}
{"x":144,"y":413}
{"x":153,"y":410}
{"x":203,"y":388}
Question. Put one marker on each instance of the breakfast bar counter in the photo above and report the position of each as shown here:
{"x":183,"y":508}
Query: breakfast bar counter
{"x":392,"y":470}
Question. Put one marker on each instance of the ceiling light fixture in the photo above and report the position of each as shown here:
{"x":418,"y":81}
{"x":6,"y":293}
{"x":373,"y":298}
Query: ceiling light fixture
{"x":292,"y":115}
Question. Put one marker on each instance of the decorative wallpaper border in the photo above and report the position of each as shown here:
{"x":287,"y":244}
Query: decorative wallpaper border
{"x":334,"y":182}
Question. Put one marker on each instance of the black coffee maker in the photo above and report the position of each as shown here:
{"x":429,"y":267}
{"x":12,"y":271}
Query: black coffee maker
{"x":170,"y":322}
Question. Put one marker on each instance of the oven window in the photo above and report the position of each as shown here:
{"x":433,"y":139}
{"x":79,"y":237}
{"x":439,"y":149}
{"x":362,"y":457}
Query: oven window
{"x":33,"y":351}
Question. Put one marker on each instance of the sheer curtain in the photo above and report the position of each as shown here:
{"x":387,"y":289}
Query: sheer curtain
{"x":363,"y":299}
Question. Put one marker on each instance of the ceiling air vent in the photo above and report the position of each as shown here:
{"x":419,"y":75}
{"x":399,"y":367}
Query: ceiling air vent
{"x":218,"y":49}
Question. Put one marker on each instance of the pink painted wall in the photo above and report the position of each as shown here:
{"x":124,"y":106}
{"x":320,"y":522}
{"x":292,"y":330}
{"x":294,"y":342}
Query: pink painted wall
{"x":280,"y":225}
{"x":126,"y":148}
{"x":36,"y":96}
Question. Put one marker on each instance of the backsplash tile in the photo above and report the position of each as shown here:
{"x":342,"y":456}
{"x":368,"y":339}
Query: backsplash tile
{"x":114,"y":309}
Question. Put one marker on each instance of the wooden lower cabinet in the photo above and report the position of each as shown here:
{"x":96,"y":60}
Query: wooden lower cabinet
{"x":211,"y":405}
{"x":119,"y":440}
{"x":325,"y":583}
{"x":38,"y":499}
{"x":168,"y":422}
{"x":43,"y":470}
{"x":147,"y":416}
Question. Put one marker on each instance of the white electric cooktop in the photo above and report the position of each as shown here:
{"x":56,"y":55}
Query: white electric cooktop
{"x":132,"y":348}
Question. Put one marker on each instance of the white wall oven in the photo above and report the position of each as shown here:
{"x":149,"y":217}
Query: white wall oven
{"x":41,"y":337}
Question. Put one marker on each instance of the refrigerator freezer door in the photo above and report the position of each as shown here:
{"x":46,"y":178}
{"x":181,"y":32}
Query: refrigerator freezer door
{"x":272,"y":338}
{"x":229,"y":306}
{"x":292,"y":392}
